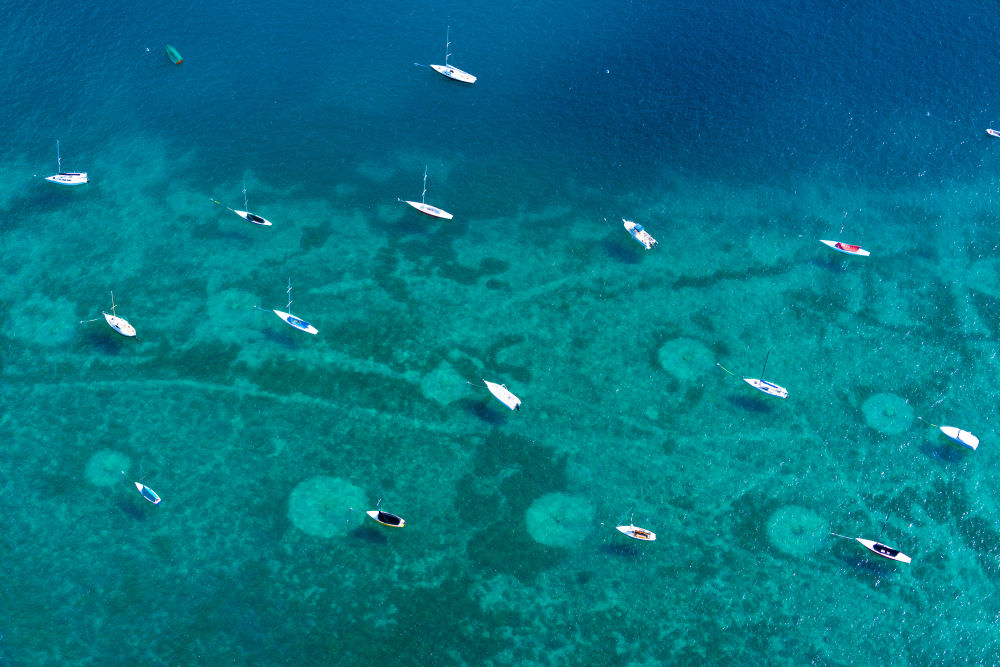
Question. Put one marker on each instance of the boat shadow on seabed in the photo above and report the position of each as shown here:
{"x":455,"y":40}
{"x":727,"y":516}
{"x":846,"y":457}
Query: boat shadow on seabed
{"x":751,"y":404}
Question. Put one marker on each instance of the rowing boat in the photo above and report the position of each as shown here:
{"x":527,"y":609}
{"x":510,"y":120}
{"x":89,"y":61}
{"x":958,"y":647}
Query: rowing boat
{"x":993,"y":133}
{"x":173,"y":54}
{"x":961,"y":437}
{"x":847,"y":248}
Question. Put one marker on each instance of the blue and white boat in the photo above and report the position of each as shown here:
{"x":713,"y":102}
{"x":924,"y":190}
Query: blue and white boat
{"x":291,"y":320}
{"x":66,"y":177}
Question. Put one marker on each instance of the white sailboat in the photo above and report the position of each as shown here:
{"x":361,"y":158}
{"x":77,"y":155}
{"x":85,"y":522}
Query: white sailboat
{"x":425,"y":208}
{"x":147,"y":493}
{"x":119,"y":324}
{"x":635,"y":532}
{"x":66,"y":177}
{"x":503,"y":395}
{"x":386,"y":518}
{"x":448,"y":69}
{"x":246,"y":215}
{"x":768,"y":388}
{"x":291,"y":320}
{"x":877,"y":547}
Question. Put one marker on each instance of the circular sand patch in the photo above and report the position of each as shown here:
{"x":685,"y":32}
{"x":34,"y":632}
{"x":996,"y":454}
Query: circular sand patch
{"x":888,"y":413}
{"x":105,"y":467}
{"x":559,"y":520}
{"x":796,"y":531}
{"x":321,"y":506}
{"x":686,"y":358}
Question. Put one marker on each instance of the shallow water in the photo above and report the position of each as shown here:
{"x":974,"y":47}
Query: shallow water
{"x":739,"y":138}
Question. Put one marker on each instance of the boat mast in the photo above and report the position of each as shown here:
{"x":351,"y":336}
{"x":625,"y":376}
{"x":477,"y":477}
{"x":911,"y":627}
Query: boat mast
{"x":245,"y":207}
{"x":58,"y":158}
{"x":288,"y":308}
{"x":424,"y":193}
{"x":447,"y":45}
{"x":877,"y":539}
{"x":765,"y":364}
{"x":113,"y":304}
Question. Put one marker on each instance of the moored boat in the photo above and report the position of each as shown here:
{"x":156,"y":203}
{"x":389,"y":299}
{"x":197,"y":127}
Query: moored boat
{"x":252,"y":217}
{"x":173,"y":54}
{"x":993,"y":133}
{"x":66,"y":177}
{"x":148,"y":493}
{"x":639,"y":234}
{"x":884,"y":550}
{"x":767,"y":387}
{"x":637,"y":533}
{"x":961,"y":437}
{"x":119,"y":324}
{"x":503,"y":395}
{"x":846,"y":248}
{"x":425,"y":208}
{"x":386,"y":519}
{"x":449,"y":70}
{"x":296,"y":322}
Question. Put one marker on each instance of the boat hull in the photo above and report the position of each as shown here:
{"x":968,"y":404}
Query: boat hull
{"x":296,"y":323}
{"x":148,"y":493}
{"x":173,"y":54}
{"x":432,"y":211}
{"x":883,"y":550}
{"x":993,"y":133}
{"x":637,"y":533}
{"x":453,"y":73}
{"x":639,"y":234}
{"x":768,"y":388}
{"x":69,"y":178}
{"x":846,"y":248}
{"x":503,"y":395}
{"x":387,"y":519}
{"x":961,"y":437}
{"x":253,"y":218}
{"x":120,"y":325}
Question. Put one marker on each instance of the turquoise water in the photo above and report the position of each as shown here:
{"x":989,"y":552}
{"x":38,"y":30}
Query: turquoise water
{"x":739,"y":138}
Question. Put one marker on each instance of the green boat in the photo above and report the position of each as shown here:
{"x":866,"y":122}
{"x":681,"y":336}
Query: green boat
{"x":174,"y":55}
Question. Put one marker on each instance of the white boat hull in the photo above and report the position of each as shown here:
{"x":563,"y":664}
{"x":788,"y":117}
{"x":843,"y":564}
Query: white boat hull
{"x":120,"y":325}
{"x":68,"y":178}
{"x":503,"y":395}
{"x":386,"y":519}
{"x":148,"y":493}
{"x":768,"y":388}
{"x":253,"y":218}
{"x":637,"y":533}
{"x":639,"y":234}
{"x":993,"y":133}
{"x":453,"y":73}
{"x":961,"y":437}
{"x":883,"y":550}
{"x":296,"y":323}
{"x":846,"y":248}
{"x":432,"y":211}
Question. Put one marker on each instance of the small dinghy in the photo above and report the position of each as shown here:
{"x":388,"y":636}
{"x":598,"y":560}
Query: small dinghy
{"x":386,"y":519}
{"x":119,"y":324}
{"x":448,"y":69}
{"x":847,"y":248}
{"x":639,"y":234}
{"x":173,"y":54}
{"x":66,"y":177}
{"x":503,"y":395}
{"x":425,"y":208}
{"x":768,"y":388}
{"x":993,"y":133}
{"x":961,"y":437}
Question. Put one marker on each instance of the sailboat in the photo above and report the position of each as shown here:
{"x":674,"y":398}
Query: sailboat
{"x":119,"y":324}
{"x":448,"y":69}
{"x":425,"y":208}
{"x":767,"y":387}
{"x":503,"y":395}
{"x":635,"y":532}
{"x":147,"y":493}
{"x":246,"y":215}
{"x":291,"y":320}
{"x":66,"y":177}
{"x":877,"y":547}
{"x":385,"y":518}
